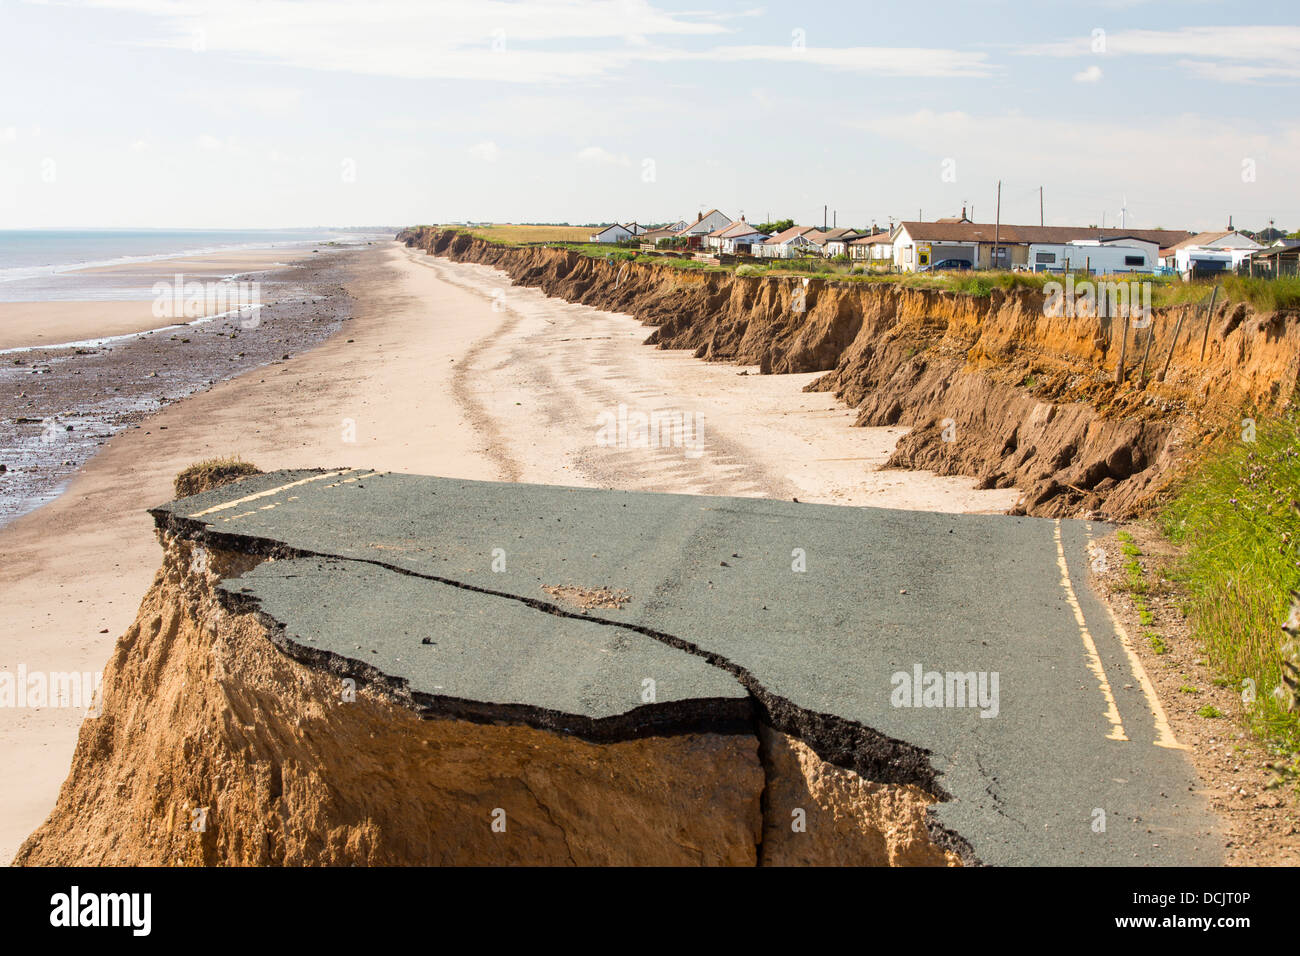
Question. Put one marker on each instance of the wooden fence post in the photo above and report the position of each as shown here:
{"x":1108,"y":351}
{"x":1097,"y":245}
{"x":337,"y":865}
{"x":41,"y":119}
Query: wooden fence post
{"x":1104,"y":300}
{"x":1209,"y":317}
{"x":1178,"y":328}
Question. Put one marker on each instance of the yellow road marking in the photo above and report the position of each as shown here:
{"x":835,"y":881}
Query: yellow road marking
{"x":268,"y":493}
{"x":345,"y":481}
{"x":1164,"y":733}
{"x":1089,"y":645}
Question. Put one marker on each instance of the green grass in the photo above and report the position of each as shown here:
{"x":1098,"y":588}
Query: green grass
{"x":1239,"y":522}
{"x":1209,"y":711}
{"x":1266,"y":295}
{"x":212,"y":473}
{"x":1134,"y":577}
{"x":1135,"y":580}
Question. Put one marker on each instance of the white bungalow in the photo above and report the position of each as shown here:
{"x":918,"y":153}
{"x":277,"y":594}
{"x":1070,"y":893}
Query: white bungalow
{"x":793,"y":242}
{"x":836,"y":241}
{"x":875,"y":248}
{"x":1208,"y":252}
{"x":614,"y":233}
{"x":741,"y":233}
{"x":706,"y":223}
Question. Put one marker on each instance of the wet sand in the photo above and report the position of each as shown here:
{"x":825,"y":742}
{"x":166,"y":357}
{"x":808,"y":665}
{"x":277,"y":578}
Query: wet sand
{"x":227,"y":262}
{"x":434,"y":373}
{"x":62,"y":403}
{"x":29,"y":324}
{"x":46,"y":323}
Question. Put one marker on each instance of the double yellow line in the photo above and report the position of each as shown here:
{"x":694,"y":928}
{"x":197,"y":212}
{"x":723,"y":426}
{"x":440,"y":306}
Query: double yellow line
{"x":1164,"y":734}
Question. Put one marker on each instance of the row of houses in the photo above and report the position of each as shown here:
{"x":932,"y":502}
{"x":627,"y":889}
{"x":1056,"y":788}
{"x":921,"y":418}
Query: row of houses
{"x":715,"y":232}
{"x":957,"y":243}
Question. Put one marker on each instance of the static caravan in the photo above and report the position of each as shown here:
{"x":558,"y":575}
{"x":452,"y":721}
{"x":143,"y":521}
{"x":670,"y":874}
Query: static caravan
{"x":1100,"y":257}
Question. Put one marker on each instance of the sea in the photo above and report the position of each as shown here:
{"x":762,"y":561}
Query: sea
{"x":40,"y":265}
{"x":62,"y":401}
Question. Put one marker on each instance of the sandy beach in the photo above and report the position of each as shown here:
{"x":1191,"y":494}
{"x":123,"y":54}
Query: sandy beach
{"x":206,"y":265}
{"x":443,"y":369}
{"x":29,"y":324}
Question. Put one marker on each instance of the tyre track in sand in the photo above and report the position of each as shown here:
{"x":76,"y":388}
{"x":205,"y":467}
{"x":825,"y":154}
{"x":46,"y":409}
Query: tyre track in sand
{"x":564,"y":366}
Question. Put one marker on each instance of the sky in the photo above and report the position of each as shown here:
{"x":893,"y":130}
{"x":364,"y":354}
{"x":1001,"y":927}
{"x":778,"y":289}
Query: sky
{"x":282,"y":113}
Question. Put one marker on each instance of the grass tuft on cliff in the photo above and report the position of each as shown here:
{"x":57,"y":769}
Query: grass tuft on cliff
{"x":213,"y":473}
{"x":1265,"y":295}
{"x":1238,"y":518}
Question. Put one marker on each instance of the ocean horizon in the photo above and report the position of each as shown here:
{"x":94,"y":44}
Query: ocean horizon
{"x":39,"y":265}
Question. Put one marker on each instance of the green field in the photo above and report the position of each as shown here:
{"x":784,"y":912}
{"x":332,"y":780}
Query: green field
{"x":514,"y":234}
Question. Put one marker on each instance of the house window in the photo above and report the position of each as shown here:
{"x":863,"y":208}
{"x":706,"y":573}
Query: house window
{"x":1135,"y":260}
{"x":1045,"y":258}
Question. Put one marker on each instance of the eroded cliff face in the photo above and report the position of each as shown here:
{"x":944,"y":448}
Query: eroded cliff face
{"x":990,"y":386}
{"x":217,"y":746}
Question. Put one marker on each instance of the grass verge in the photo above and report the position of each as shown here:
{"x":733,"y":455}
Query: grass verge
{"x":1238,"y":522}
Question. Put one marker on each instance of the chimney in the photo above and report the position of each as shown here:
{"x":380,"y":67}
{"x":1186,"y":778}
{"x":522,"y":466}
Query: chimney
{"x":1230,"y":224}
{"x":963,"y":210}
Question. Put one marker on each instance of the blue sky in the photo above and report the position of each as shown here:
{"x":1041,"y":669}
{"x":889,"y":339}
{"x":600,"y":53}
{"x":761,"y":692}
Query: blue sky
{"x":245,"y":113}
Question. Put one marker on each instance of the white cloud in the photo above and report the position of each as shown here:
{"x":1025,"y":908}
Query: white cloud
{"x":882,"y":61}
{"x":483,"y":40}
{"x":1091,"y":75}
{"x":1240,"y":72}
{"x":235,"y":100}
{"x":139,"y":146}
{"x":598,"y":156}
{"x":493,"y":40}
{"x":487,"y":151}
{"x":1233,"y":54}
{"x":210,"y":142}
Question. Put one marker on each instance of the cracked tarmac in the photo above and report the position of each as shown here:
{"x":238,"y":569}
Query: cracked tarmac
{"x":437,"y":588}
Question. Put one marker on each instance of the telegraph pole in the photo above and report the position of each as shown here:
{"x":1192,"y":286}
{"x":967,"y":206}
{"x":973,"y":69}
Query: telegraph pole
{"x":997,"y":227}
{"x":1040,"y":205}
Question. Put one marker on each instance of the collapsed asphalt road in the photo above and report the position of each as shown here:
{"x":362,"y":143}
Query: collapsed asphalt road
{"x":962,"y":653}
